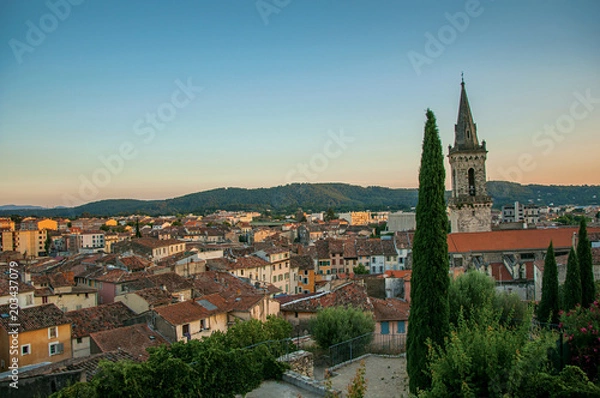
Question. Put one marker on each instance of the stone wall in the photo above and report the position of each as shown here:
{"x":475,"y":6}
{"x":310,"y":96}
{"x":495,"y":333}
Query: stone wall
{"x":300,"y":362}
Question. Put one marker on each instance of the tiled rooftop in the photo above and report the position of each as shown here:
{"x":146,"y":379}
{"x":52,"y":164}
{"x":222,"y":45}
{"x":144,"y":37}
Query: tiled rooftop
{"x":183,"y":312}
{"x":99,"y":318}
{"x":390,"y":309}
{"x":131,"y":339}
{"x":33,"y":318}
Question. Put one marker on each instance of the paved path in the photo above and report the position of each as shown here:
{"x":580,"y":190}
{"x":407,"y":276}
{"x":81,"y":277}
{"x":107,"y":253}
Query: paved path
{"x":279,"y":389}
{"x":386,"y":377}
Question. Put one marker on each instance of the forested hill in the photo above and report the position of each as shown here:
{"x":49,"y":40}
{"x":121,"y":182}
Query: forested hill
{"x":313,"y":197}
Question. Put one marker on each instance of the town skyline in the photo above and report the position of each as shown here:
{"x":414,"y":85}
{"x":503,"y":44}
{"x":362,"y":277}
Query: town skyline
{"x":247,"y":96}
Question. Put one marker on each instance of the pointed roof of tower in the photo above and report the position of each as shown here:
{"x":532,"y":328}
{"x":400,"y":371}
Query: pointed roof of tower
{"x":465,"y":130}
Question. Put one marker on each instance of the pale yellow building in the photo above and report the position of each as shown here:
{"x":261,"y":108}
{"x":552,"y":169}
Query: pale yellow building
{"x":27,"y":242}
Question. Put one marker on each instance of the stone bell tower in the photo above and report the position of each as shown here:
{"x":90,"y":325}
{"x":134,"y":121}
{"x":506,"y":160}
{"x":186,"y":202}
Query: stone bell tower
{"x":470,"y":206}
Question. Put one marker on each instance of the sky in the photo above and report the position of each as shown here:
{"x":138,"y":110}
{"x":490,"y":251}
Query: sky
{"x":156,"y":99}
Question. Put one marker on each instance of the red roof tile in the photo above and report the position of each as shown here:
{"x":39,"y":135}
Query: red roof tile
{"x":99,"y":318}
{"x":183,"y":312}
{"x":507,"y":240}
{"x":33,"y":318}
{"x":390,"y":309}
{"x":133,"y":339}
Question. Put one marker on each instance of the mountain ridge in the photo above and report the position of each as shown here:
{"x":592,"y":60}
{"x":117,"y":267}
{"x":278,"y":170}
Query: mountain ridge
{"x":312,"y":197}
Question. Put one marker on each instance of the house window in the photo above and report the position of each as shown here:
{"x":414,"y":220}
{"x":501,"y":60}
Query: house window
{"x":401,"y":327}
{"x":385,"y":327}
{"x":274,"y":279}
{"x":55,"y":349}
{"x":44,"y":299}
{"x":52,"y":332}
{"x":79,"y":340}
{"x":186,"y":329}
{"x":26,"y":349}
{"x":28,"y":299}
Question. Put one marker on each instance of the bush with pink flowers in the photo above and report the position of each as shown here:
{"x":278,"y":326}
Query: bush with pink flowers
{"x":581,"y":328}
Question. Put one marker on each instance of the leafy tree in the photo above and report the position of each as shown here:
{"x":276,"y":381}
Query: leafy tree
{"x":138,"y":234}
{"x":572,"y":286}
{"x":468,"y":293}
{"x":429,"y":313}
{"x":330,"y":215}
{"x":483,"y":358}
{"x":548,"y":308}
{"x":217,"y":366}
{"x":105,"y":228}
{"x":47,"y":244}
{"x":360,"y":269}
{"x":337,"y":324}
{"x":584,"y":255}
{"x":474,"y":290}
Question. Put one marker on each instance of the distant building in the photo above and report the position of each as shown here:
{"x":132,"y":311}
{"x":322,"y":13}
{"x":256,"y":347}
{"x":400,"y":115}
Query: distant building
{"x":401,"y":221}
{"x":356,"y":217}
{"x":518,"y":212}
{"x":28,"y":242}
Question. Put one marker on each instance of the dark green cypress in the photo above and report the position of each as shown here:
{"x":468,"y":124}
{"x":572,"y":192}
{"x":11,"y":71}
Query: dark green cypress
{"x":572,"y":288}
{"x":548,"y":308}
{"x":429,"y":311}
{"x":584,"y":255}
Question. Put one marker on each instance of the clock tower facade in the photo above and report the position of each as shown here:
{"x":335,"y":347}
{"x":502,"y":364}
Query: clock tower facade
{"x":470,"y":206}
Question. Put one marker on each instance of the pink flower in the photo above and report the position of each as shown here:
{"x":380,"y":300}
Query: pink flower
{"x":583,"y":330}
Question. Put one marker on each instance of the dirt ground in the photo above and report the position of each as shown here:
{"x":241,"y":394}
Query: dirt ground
{"x":386,"y":377}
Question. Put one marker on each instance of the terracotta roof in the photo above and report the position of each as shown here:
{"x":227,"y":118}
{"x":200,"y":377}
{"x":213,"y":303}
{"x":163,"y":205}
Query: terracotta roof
{"x":33,"y":318}
{"x":508,"y":240}
{"x":304,"y":263}
{"x":156,"y":243}
{"x":224,"y":283}
{"x":99,"y":318}
{"x":248,"y":262}
{"x":284,"y":299}
{"x":88,"y":365}
{"x":404,"y":239}
{"x":119,"y":276}
{"x":405,"y":274}
{"x":155,"y":296}
{"x":57,"y":279}
{"x":390,"y":309}
{"x":347,"y":295}
{"x":172,"y":281}
{"x":182,"y":312}
{"x":5,"y":286}
{"x":135,"y":263}
{"x":133,"y":339}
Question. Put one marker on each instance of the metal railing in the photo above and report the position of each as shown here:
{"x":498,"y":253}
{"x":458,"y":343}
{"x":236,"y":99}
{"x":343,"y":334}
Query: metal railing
{"x":370,"y":343}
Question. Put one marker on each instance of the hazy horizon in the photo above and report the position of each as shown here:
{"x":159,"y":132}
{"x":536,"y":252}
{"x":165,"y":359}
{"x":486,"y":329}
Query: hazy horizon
{"x":154,"y":101}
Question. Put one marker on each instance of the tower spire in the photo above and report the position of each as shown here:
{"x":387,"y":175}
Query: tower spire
{"x":465,"y":130}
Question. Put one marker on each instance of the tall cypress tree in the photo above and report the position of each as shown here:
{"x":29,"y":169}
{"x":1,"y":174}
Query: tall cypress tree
{"x":548,"y":308}
{"x":572,"y":288}
{"x":584,"y":255}
{"x":429,"y":311}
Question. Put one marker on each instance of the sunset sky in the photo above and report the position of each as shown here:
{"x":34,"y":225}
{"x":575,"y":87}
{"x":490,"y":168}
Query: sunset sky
{"x":156,"y":99}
